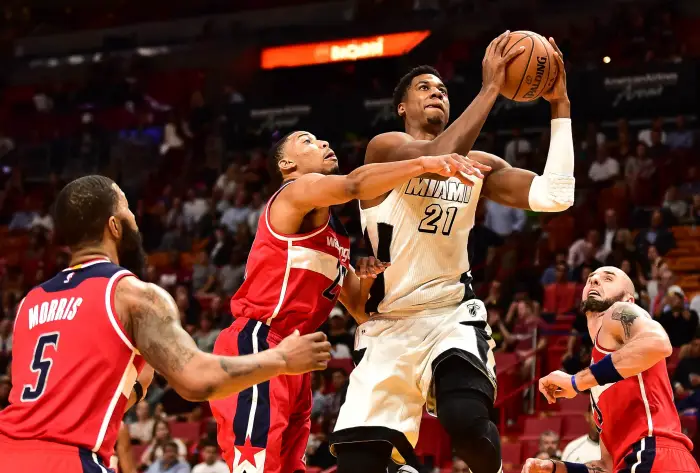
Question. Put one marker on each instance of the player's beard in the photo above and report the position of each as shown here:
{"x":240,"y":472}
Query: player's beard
{"x":131,"y":253}
{"x":596,"y":305}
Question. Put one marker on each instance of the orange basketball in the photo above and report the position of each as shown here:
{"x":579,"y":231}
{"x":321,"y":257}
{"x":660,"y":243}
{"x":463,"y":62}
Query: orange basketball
{"x":533,"y":71}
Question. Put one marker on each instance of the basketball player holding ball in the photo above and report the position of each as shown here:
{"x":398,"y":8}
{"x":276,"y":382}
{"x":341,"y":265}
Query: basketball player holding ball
{"x":427,"y":342}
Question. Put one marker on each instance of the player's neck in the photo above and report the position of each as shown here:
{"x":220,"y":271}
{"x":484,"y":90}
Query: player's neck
{"x":594,"y":321}
{"x":85,"y":255}
{"x":428,"y":133}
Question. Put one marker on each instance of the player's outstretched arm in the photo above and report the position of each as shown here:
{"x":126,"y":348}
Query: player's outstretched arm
{"x":357,"y":284}
{"x":460,"y":136}
{"x":533,"y":465}
{"x":553,"y":191}
{"x":370,"y":181}
{"x":150,"y":315}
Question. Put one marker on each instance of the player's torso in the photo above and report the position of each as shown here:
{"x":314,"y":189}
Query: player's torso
{"x":634,"y":408}
{"x":73,"y":366}
{"x":422,"y":228}
{"x":293,"y":281}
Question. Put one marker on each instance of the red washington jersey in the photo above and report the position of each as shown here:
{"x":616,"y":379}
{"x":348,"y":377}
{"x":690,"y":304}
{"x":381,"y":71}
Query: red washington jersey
{"x":630,"y":410}
{"x":73,"y":366}
{"x":293,"y":281}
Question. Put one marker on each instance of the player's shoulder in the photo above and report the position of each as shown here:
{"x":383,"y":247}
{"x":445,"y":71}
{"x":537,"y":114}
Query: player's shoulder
{"x":379,"y":147}
{"x":132,"y":293}
{"x":625,"y":310}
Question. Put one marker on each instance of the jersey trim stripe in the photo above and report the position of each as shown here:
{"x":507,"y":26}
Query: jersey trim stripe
{"x":639,"y":455}
{"x":17,"y":312}
{"x":650,"y":423}
{"x":109,"y":299}
{"x":283,"y":291}
{"x":254,"y":397}
{"x":313,"y":260}
{"x":86,"y":265}
{"x":113,"y":405}
{"x":290,"y":238}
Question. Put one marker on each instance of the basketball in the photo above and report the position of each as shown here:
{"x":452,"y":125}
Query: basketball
{"x":533,"y":71}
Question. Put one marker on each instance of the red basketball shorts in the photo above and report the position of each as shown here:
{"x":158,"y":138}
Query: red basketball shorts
{"x":263,"y":429}
{"x":658,"y":455}
{"x":37,"y":455}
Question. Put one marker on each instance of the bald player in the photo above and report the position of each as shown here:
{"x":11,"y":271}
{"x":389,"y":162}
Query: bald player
{"x":630,"y":392}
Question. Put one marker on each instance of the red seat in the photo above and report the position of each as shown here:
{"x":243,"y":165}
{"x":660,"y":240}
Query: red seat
{"x":574,"y":426}
{"x":345,"y":364}
{"x":137,"y":452}
{"x":188,"y":432}
{"x":511,"y":453}
{"x":578,"y":404}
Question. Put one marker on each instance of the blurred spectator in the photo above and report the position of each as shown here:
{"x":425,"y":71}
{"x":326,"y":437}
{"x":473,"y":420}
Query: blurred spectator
{"x":686,"y":378}
{"x":585,"y":448}
{"x":176,"y":239}
{"x":680,"y":137}
{"x":174,"y":217}
{"x":503,"y":220}
{"x":142,"y":430}
{"x":516,"y":146}
{"x":459,"y":466}
{"x":5,"y":388}
{"x":658,"y":149}
{"x":203,"y":274}
{"x":549,"y":443}
{"x":162,"y":438}
{"x":173,"y":274}
{"x":194,"y":208}
{"x":23,"y":218}
{"x":694,"y":212}
{"x":578,"y":346}
{"x":43,"y":220}
{"x":657,"y":234}
{"x":609,"y":232}
{"x":319,"y":397}
{"x":594,"y":137}
{"x":495,"y":298}
{"x":6,"y":337}
{"x":227,"y":183}
{"x":237,"y":213}
{"x":691,"y":182}
{"x":674,"y":202}
{"x":645,"y":135}
{"x":7,"y":144}
{"x":339,"y":381}
{"x":678,"y":320}
{"x":559,"y":296}
{"x":172,"y":140}
{"x":590,"y":263}
{"x":170,"y":462}
{"x":206,"y":334}
{"x":257,"y":207}
{"x":604,"y":169}
{"x":338,"y":336}
{"x":212,"y":463}
{"x":549,"y":275}
{"x":584,"y":248}
{"x":231,"y":275}
{"x":219,"y":247}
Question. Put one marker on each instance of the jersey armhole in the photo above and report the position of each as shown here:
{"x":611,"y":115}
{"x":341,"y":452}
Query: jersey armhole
{"x":111,"y":309}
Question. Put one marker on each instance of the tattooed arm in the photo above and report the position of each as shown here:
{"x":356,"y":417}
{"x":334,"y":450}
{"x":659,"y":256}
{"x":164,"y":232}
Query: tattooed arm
{"x":150,"y":316}
{"x":643,"y":342}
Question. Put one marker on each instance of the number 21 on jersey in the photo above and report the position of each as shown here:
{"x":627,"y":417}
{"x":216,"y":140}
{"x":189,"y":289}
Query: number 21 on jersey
{"x":437,"y":218}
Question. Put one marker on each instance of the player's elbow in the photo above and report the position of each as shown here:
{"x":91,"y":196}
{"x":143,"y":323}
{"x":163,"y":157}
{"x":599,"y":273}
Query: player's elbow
{"x":353,"y":187}
{"x":663,"y":346}
{"x":194,"y":391}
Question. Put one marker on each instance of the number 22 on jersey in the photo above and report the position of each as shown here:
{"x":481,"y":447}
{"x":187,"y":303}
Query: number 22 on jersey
{"x":437,"y":218}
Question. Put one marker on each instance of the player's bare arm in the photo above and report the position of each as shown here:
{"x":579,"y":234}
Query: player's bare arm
{"x":124,"y":452}
{"x":144,"y":381}
{"x":553,"y":191}
{"x":604,"y":465}
{"x":640,"y":343}
{"x":357,"y":284}
{"x":150,"y":315}
{"x":461,"y":135}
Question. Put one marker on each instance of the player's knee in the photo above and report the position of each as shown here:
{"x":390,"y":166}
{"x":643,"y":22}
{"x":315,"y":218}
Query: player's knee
{"x":364,"y":457}
{"x":465,"y":417}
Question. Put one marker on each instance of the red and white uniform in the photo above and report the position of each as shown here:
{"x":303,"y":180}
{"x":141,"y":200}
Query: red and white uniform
{"x":73,"y":371}
{"x":639,"y":423}
{"x":292,"y":283}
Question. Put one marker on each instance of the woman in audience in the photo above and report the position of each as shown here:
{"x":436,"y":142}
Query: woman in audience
{"x":161,"y":436}
{"x":141,"y":431}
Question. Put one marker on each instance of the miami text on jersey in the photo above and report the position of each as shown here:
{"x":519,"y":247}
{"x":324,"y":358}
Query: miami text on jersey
{"x":452,"y":191}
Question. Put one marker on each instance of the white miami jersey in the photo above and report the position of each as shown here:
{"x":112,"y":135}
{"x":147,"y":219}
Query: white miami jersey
{"x":422,"y":229}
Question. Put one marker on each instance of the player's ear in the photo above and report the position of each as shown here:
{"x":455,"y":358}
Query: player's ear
{"x":401,"y":110}
{"x":287,"y":165}
{"x":114,"y":227}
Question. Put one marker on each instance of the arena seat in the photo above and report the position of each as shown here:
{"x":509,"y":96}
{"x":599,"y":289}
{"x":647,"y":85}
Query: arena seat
{"x":188,"y":432}
{"x":579,"y":404}
{"x":535,"y":426}
{"x":511,"y":453}
{"x":573,"y":426}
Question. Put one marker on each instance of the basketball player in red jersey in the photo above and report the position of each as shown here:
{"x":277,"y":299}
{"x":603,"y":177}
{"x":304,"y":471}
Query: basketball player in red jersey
{"x":630,"y":391}
{"x":81,"y":338}
{"x":297,"y":268}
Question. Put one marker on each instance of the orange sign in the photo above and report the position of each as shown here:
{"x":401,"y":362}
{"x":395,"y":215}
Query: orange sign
{"x":395,"y":44}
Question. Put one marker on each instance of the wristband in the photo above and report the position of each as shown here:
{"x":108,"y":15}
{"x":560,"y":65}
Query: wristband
{"x":573,"y":384}
{"x":554,"y":465}
{"x":138,"y":389}
{"x":575,"y":467}
{"x":605,"y":372}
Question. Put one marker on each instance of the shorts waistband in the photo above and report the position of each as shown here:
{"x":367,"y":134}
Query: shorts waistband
{"x":264,"y":331}
{"x":665,"y":442}
{"x":38,"y":445}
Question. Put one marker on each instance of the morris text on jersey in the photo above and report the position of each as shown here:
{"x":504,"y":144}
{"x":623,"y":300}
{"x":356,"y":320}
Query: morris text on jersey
{"x":452,"y":191}
{"x":343,"y":253}
{"x":56,"y":309}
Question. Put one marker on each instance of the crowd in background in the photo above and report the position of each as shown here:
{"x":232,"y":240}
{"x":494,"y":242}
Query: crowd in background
{"x":198,"y":178}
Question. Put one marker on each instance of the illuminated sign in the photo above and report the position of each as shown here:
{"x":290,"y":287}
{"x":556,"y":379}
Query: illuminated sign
{"x":388,"y":45}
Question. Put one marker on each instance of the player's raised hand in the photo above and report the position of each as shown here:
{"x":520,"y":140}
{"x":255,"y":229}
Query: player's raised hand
{"x":533,"y":465}
{"x":370,"y":267}
{"x":449,"y":165}
{"x":558,"y":90}
{"x":555,"y":385}
{"x":304,"y":353}
{"x":493,"y":66}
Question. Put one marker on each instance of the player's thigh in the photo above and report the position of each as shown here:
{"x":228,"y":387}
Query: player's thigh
{"x":296,"y":434}
{"x":672,"y":460}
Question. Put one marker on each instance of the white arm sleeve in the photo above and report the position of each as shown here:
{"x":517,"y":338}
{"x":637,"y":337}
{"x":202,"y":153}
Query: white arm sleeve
{"x":553,"y":191}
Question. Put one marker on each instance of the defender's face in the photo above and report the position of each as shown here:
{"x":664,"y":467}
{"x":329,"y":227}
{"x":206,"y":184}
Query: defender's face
{"x":426,"y":101}
{"x":602,"y":285}
{"x":310,"y":154}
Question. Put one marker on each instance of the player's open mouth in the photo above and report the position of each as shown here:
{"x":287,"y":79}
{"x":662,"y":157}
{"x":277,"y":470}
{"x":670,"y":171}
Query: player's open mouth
{"x":436,"y":106}
{"x":593,"y":292}
{"x":330,"y":157}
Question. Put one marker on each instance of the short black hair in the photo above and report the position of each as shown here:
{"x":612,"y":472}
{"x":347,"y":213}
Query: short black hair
{"x":82,"y":210}
{"x":405,"y":83}
{"x":171,"y":444}
{"x":276,"y":152}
